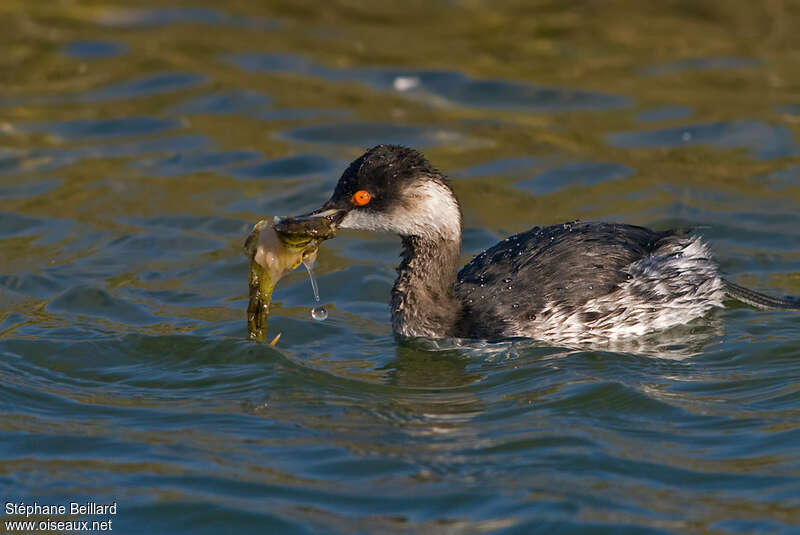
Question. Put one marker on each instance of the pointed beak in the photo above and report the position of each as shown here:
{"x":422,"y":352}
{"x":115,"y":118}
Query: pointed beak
{"x":320,"y":224}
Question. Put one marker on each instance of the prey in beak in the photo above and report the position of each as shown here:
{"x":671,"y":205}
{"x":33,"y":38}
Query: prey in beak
{"x":319,"y":225}
{"x":273,"y":251}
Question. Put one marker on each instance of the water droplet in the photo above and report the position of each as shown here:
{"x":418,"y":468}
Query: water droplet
{"x":309,"y":267}
{"x":508,"y":287}
{"x":318,"y":312}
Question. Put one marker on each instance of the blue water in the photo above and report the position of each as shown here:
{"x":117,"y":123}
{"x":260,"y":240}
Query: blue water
{"x":138,"y":146}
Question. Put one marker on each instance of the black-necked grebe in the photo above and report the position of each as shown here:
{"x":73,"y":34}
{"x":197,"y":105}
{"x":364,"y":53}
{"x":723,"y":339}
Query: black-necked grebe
{"x":569,"y":283}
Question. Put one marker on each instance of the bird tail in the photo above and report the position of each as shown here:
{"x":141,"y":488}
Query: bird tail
{"x":759,"y":300}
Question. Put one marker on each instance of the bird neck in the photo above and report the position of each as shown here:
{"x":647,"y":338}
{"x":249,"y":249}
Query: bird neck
{"x":423,"y":298}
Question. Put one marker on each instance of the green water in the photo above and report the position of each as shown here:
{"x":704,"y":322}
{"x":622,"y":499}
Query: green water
{"x":139,"y":143}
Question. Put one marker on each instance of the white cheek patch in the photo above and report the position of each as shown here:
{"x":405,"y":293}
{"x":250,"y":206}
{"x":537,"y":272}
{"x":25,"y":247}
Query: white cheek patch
{"x":428,"y":210}
{"x":361,"y":219}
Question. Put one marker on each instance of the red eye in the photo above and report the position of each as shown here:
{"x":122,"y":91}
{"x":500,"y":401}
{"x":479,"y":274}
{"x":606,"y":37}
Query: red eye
{"x":361,"y":198}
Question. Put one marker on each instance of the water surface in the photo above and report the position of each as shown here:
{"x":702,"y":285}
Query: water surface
{"x":138,"y":145}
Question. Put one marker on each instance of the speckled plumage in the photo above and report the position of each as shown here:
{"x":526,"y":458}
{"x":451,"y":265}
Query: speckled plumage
{"x":587,"y":282}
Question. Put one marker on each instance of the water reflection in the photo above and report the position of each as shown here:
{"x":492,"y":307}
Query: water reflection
{"x":184,"y":163}
{"x":764,"y":140}
{"x":25,"y":191}
{"x":781,"y":179}
{"x":42,"y":160}
{"x":165,"y":16}
{"x":83,"y":129}
{"x":153,"y":84}
{"x":666,"y":113}
{"x":138,"y":144}
{"x":369,"y":134}
{"x":438,"y":87}
{"x":501,"y":167}
{"x":418,"y":367}
{"x":94,"y":49}
{"x":574,"y":174}
{"x":99,"y":303}
{"x":301,"y":165}
{"x":702,"y":64}
{"x":241,"y":101}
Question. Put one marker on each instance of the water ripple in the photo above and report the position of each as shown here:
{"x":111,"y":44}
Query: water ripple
{"x":82,"y":129}
{"x":94,"y":49}
{"x":164,"y":16}
{"x":224,"y":103}
{"x":369,"y":134}
{"x":702,"y":64}
{"x":193,"y":162}
{"x":155,"y":84}
{"x":574,"y":174}
{"x":764,"y":140}
{"x":438,"y":87}
{"x":140,"y":144}
{"x":302,"y":165}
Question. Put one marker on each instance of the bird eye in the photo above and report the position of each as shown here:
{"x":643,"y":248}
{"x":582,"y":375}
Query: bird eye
{"x":361,"y":198}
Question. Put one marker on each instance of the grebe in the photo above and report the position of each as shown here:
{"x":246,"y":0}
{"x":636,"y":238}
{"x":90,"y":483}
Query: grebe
{"x":570,"y":283}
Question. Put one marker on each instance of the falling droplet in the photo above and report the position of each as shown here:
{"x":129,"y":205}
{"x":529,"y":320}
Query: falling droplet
{"x":318,"y":312}
{"x":309,"y":267}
